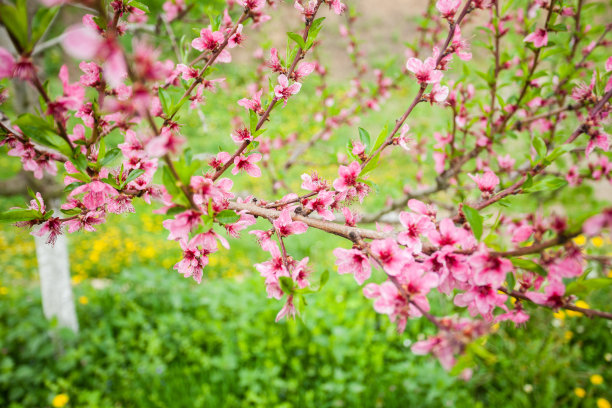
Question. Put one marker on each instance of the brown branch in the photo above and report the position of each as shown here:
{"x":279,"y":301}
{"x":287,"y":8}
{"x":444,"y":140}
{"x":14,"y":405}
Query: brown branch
{"x":590,"y":313}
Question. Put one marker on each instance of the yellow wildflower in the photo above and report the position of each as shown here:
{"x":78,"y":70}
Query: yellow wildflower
{"x":580,"y":240}
{"x":83,"y":300}
{"x":603,"y":403}
{"x":597,"y":379}
{"x":559,"y":315}
{"x":580,"y":303}
{"x":580,"y":392}
{"x":60,"y":400}
{"x":597,"y":242}
{"x":3,"y":290}
{"x":568,"y":335}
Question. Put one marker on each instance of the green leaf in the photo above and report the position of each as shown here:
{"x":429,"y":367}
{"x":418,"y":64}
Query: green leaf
{"x":548,"y":183}
{"x":286,"y":284}
{"x":539,"y":146}
{"x":15,"y":19}
{"x":227,"y":217}
{"x":110,"y":156}
{"x":587,"y":286}
{"x":80,"y":162}
{"x":528,"y":265}
{"x":382,"y":136}
{"x":475,"y":220}
{"x":372,"y":164}
{"x":364,"y":136}
{"x":139,"y":5}
{"x":298,"y":39}
{"x":134,"y":174}
{"x":72,"y":186}
{"x":41,"y":21}
{"x":19,"y":214}
{"x":165,"y":100}
{"x":253,"y":119}
{"x":41,"y":132}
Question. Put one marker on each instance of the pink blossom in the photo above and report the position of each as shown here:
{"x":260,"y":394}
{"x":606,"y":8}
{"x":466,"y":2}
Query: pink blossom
{"x":354,"y":262}
{"x":241,"y":135}
{"x":252,"y":4}
{"x":7,"y":64}
{"x":552,"y":296}
{"x":449,"y":235}
{"x":539,"y":38}
{"x":52,"y":227}
{"x":489,"y":269}
{"x":85,"y":221}
{"x":425,"y":72}
{"x":522,"y":233}
{"x":97,"y":195}
{"x":506,"y":162}
{"x":287,"y":310}
{"x":182,"y":225}
{"x":304,"y":70}
{"x":448,"y":8}
{"x":438,"y":93}
{"x":286,"y":226}
{"x":415,"y":225}
{"x":348,"y":176}
{"x":283,"y":90}
{"x":247,"y":164}
{"x":173,"y":8}
{"x":390,"y":255}
{"x":481,"y":300}
{"x":336,"y":5}
{"x":599,"y":139}
{"x":321,"y":204}
{"x":596,"y":223}
{"x":274,"y":62}
{"x":253,"y":104}
{"x":487,"y":182}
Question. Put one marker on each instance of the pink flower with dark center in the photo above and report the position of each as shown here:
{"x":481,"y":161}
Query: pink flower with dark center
{"x":264,"y":238}
{"x":300,"y":273}
{"x":187,"y":72}
{"x":247,"y":164}
{"x":448,"y":8}
{"x":120,"y":204}
{"x":539,"y":38}
{"x":256,"y":5}
{"x":168,"y":142}
{"x":241,"y":135}
{"x":415,"y":225}
{"x":390,"y":255}
{"x":287,"y":310}
{"x":599,"y":139}
{"x":245,"y":221}
{"x":449,"y":235}
{"x":336,"y":5}
{"x":321,"y":204}
{"x":182,"y":224}
{"x":274,"y":62}
{"x":97,"y":195}
{"x":425,"y":72}
{"x":481,"y":300}
{"x":283,"y":90}
{"x":52,"y":227}
{"x":389,"y":301}
{"x":286,"y":226}
{"x":253,"y":104}
{"x":552,"y":296}
{"x":348,"y":176}
{"x":91,"y":75}
{"x":354,"y":262}
{"x":85,"y":221}
{"x":489,"y":269}
{"x":208,"y":40}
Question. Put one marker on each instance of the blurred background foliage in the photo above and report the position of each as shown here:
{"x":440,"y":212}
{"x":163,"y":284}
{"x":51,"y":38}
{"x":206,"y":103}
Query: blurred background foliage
{"x":150,"y":338}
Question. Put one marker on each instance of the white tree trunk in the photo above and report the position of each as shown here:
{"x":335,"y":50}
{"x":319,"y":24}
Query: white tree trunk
{"x":55,"y":285}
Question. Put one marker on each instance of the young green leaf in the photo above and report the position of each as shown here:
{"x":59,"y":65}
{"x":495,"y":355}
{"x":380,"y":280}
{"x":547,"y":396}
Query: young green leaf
{"x":474,"y":219}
